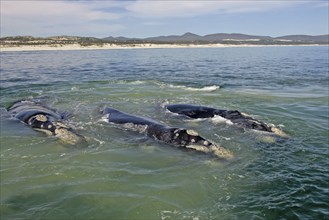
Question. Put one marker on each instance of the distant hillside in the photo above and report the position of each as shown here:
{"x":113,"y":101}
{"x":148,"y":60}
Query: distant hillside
{"x":319,"y":38}
{"x":187,"y":38}
{"x":224,"y":38}
{"x":55,"y":40}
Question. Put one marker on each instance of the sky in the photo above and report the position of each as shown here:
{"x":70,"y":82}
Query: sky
{"x":148,"y":18}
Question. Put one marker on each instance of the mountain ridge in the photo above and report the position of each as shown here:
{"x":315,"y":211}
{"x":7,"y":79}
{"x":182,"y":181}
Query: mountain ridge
{"x":186,"y":38}
{"x":218,"y":37}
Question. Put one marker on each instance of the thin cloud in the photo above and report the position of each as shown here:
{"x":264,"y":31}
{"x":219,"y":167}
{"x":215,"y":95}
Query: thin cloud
{"x":154,"y":23}
{"x":165,"y":9}
{"x":43,"y":17}
{"x":104,"y":18}
{"x":58,"y":10}
{"x":322,"y":4}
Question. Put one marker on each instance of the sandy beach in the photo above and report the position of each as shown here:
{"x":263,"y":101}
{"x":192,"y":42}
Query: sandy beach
{"x":126,"y":46}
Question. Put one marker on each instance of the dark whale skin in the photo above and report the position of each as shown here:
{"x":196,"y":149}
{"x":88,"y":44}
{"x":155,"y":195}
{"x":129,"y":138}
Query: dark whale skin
{"x":236,"y":117}
{"x":43,"y":118}
{"x":178,"y":137}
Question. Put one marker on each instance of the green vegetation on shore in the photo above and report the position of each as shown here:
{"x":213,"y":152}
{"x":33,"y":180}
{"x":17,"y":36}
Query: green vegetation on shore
{"x":185,"y":39}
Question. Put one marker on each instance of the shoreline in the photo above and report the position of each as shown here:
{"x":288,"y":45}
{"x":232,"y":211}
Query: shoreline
{"x":132,"y":46}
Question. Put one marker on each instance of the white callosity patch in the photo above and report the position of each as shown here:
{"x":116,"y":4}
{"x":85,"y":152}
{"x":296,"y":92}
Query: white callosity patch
{"x":135,"y":127}
{"x":198,"y":147}
{"x":192,"y":132}
{"x":216,"y":150}
{"x":245,"y":114}
{"x":279,"y":132}
{"x":68,"y":137}
{"x":61,"y":125}
{"x":221,"y":152}
{"x":42,"y":118}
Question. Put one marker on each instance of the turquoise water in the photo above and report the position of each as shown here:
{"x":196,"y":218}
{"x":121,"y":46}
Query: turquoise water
{"x":124,"y":175}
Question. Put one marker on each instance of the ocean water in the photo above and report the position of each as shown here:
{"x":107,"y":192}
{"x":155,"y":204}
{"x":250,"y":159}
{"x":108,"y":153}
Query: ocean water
{"x":125,"y":175}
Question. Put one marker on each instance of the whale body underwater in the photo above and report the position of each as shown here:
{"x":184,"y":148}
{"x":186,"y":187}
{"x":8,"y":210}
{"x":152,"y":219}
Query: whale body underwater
{"x":45,"y":119}
{"x":178,"y":137}
{"x":235,"y":117}
{"x":48,"y":120}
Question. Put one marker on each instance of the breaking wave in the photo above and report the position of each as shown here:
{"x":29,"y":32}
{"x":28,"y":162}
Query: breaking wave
{"x":205,"y":89}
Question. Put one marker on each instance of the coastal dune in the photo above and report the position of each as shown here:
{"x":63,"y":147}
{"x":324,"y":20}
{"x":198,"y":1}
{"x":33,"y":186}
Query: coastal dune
{"x":4,"y":48}
{"x":187,"y":40}
{"x":99,"y":47}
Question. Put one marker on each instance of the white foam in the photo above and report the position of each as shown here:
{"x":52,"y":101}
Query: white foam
{"x":219,"y":120}
{"x":222,"y":137}
{"x":137,"y":82}
{"x":127,"y":82}
{"x":205,"y":89}
{"x":104,"y":119}
{"x":197,"y":119}
{"x":98,"y":141}
{"x":178,"y":87}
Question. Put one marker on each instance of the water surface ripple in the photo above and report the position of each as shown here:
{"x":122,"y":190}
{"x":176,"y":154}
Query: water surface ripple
{"x":124,"y":175}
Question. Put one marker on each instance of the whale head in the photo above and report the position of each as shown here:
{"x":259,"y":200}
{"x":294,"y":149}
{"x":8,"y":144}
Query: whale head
{"x":68,"y":136}
{"x":192,"y":140}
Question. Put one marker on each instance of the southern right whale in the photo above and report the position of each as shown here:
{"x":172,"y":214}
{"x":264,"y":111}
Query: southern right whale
{"x":45,"y":119}
{"x":179,"y":137}
{"x":236,"y":117}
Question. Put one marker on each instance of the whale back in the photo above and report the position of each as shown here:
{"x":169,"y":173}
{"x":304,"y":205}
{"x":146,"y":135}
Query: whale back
{"x":179,"y":137}
{"x":176,"y":136}
{"x":117,"y":117}
{"x":236,"y":117}
{"x":24,"y":110}
{"x":188,"y":139}
{"x":192,"y":111}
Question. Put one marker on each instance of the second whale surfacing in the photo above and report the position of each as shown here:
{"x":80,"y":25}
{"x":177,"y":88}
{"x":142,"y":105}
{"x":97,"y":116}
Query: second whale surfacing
{"x":235,"y":117}
{"x":178,"y":137}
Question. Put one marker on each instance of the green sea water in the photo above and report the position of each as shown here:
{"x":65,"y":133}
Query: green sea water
{"x":126,"y":175}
